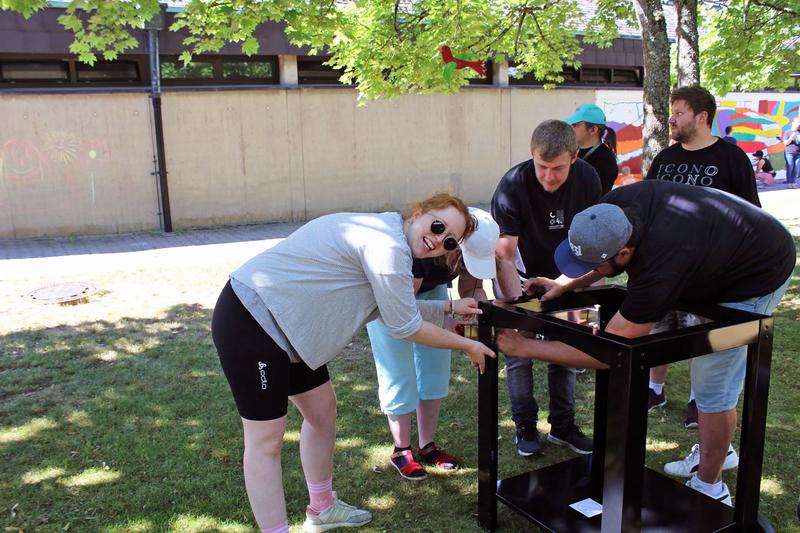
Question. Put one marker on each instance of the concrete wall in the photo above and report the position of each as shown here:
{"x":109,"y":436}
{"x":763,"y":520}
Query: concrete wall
{"x":254,"y":156}
{"x":76,"y":164}
{"x":81,"y":164}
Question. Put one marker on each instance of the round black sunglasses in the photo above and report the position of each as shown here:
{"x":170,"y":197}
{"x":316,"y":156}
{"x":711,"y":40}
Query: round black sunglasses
{"x":437,"y":228}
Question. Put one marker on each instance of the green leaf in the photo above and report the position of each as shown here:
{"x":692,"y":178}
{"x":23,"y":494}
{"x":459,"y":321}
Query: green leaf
{"x":250,"y":46}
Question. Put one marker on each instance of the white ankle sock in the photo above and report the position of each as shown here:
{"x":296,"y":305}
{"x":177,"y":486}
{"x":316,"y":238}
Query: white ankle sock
{"x":691,"y":395}
{"x":657,"y":387}
{"x":712,"y":489}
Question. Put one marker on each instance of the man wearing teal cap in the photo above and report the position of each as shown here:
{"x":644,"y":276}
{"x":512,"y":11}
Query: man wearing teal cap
{"x":597,"y":143}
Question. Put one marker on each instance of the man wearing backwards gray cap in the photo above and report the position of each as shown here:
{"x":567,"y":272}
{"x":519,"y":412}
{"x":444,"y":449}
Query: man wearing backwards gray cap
{"x":692,"y":244}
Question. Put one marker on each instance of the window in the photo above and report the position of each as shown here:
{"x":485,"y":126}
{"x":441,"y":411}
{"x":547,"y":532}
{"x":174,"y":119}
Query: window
{"x":66,"y":72}
{"x":196,"y":70}
{"x":312,"y":71}
{"x":34,"y":71}
{"x":595,"y":75}
{"x":591,"y":75}
{"x":220,"y":70}
{"x":628,"y":76}
{"x":122,"y":71}
{"x":248,"y":70}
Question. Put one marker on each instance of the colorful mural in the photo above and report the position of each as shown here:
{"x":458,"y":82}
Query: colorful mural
{"x":759,"y":120}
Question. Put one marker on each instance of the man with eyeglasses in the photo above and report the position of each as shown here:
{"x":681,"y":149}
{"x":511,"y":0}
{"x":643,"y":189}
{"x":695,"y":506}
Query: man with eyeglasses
{"x":534,"y":204}
{"x":677,"y":243}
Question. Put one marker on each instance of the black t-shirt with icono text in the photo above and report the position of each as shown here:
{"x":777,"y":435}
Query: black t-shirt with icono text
{"x":604,"y":162}
{"x":522,"y":208}
{"x":722,"y":166}
{"x":699,"y":245}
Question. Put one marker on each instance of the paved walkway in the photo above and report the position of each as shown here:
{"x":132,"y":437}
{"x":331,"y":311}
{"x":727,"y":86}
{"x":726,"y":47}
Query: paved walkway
{"x":138,"y":242}
{"x":30,"y":256}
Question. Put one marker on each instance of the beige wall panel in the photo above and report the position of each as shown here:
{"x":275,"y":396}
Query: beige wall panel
{"x":83,"y":163}
{"x":76,"y":164}
{"x":531,"y":106}
{"x":389,"y":153}
{"x":228,"y":157}
{"x":479,"y":122}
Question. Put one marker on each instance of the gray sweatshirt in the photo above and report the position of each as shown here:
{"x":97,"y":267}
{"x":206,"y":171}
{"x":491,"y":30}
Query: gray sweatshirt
{"x":314,"y":290}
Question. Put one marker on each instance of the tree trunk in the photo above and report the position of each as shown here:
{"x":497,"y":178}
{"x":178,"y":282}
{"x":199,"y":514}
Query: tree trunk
{"x":687,"y":36}
{"x":656,"y":79}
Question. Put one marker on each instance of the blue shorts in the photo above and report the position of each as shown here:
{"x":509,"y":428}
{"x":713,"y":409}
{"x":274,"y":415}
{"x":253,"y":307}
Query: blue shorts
{"x":718,"y":378}
{"x":408,"y":372}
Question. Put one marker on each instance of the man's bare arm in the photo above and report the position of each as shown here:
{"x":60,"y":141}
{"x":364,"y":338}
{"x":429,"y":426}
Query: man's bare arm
{"x":512,"y":343}
{"x":507,"y":277}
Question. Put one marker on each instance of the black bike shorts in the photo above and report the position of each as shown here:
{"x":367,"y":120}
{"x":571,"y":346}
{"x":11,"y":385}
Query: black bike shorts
{"x":259,"y":372}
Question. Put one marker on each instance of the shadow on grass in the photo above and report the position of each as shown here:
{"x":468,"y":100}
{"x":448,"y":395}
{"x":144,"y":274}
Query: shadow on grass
{"x":130,"y":426}
{"x":115,"y":426}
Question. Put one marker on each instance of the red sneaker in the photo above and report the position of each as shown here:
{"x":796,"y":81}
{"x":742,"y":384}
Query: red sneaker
{"x":435,"y":456}
{"x":407,"y":466}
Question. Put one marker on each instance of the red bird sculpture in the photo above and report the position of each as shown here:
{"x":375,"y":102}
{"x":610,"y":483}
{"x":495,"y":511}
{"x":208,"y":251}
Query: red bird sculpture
{"x":448,"y":57}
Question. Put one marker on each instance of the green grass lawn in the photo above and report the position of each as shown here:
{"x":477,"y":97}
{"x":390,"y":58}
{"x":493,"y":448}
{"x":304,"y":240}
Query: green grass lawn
{"x":115,"y":417}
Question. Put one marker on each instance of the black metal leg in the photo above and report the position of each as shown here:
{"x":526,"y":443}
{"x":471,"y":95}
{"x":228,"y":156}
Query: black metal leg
{"x":599,"y":435}
{"x":626,"y":432}
{"x":487,"y":432}
{"x":754,"y":422}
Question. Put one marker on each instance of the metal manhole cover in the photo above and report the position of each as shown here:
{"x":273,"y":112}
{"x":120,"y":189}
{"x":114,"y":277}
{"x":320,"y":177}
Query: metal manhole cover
{"x":61,"y":293}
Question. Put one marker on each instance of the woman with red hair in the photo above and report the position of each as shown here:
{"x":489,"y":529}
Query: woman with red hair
{"x":291,"y":309}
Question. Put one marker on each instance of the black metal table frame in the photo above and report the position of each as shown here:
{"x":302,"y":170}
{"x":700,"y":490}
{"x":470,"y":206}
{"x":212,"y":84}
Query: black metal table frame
{"x":620,"y":415}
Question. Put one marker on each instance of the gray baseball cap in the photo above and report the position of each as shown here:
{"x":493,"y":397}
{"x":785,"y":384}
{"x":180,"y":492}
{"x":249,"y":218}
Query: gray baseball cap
{"x":595,"y":235}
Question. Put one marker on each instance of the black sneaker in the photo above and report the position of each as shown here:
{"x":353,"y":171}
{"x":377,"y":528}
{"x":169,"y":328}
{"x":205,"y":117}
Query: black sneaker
{"x":691,"y":416}
{"x":527,"y":440}
{"x":573,"y":438}
{"x":655,"y":400}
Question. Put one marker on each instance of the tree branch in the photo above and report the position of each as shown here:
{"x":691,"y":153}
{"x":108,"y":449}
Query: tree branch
{"x":779,"y":9}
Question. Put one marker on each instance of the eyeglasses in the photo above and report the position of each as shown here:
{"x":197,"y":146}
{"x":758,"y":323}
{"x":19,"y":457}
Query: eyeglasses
{"x":450,"y":242}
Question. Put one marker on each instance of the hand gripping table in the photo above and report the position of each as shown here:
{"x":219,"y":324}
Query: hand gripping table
{"x":634,"y":498}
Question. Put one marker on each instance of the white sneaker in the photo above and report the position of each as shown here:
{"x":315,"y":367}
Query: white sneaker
{"x":339,"y":514}
{"x":724,"y":496}
{"x":688,"y":467}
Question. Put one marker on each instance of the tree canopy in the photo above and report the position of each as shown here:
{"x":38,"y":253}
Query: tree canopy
{"x":749,"y":44}
{"x":385,"y":47}
{"x":392,"y":47}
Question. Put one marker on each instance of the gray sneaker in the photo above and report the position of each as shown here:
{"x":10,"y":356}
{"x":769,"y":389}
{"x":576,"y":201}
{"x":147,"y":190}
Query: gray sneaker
{"x":339,"y":514}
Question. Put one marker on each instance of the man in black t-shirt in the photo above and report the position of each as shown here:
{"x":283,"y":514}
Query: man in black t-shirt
{"x":700,"y":159}
{"x":677,"y":243}
{"x":589,"y":124}
{"x":534,"y":204}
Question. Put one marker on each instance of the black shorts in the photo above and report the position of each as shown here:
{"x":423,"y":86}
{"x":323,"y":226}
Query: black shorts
{"x":259,"y":372}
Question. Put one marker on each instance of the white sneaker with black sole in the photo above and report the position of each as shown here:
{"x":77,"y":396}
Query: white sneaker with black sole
{"x":723,"y":497}
{"x":687,"y":467}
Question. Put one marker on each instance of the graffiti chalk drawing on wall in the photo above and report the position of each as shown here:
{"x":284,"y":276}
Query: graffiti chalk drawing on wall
{"x":21,"y":159}
{"x":58,"y":158}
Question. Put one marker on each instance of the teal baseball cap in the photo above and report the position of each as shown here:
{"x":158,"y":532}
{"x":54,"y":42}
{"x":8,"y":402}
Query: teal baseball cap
{"x":589,"y":113}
